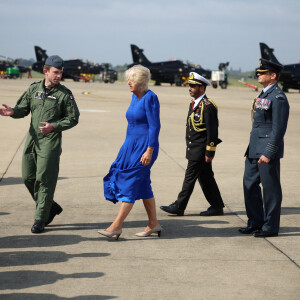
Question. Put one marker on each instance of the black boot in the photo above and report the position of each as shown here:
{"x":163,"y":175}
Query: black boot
{"x":38,"y":226}
{"x":56,"y":209}
{"x":172,"y":209}
{"x":212,"y":211}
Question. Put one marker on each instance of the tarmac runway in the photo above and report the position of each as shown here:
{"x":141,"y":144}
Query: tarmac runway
{"x":195,"y":258}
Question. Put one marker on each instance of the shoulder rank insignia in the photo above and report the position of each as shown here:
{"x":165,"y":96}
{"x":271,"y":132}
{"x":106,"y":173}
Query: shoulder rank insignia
{"x":209,"y":102}
{"x":206,"y":102}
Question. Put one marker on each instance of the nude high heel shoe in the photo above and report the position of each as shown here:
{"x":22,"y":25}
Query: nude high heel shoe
{"x":117,"y":233}
{"x":157,"y":229}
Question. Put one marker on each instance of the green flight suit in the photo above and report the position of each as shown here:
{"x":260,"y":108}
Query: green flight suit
{"x":40,"y":162}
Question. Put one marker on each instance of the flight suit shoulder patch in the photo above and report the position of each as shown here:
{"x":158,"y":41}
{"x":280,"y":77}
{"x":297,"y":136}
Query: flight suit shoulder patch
{"x":68,"y":92}
{"x":70,"y":95}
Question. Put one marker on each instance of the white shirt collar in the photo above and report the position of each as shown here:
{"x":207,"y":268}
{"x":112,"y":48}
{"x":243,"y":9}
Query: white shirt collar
{"x":198,"y":100}
{"x":268,"y":87}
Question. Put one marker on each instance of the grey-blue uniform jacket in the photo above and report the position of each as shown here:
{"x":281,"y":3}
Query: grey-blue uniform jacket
{"x":271,"y":113}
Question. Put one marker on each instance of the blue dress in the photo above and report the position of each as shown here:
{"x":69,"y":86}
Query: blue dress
{"x":128,"y":180}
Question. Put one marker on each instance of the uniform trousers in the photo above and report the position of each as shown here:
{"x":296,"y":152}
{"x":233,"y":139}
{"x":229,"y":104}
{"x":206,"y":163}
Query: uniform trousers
{"x":263,"y":210}
{"x":203,"y":172}
{"x":40,"y":172}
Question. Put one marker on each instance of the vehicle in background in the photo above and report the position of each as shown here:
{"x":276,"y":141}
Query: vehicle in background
{"x":108,"y":75}
{"x":11,"y":68}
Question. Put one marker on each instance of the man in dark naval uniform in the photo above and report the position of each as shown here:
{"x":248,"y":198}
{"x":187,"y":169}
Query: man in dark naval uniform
{"x":201,"y":141}
{"x":270,"y":117}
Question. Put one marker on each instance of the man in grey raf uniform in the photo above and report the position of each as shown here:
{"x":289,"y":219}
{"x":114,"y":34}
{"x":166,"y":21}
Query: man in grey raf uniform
{"x":53,"y":109}
{"x":270,"y":117}
{"x":201,"y":141}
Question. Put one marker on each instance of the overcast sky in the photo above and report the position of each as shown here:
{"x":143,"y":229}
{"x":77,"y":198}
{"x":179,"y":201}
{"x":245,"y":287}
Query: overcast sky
{"x":205,"y":32}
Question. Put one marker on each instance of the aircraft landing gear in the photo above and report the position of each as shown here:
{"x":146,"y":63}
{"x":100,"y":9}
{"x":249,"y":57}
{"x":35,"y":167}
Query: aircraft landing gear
{"x":214,"y":84}
{"x":223,"y":84}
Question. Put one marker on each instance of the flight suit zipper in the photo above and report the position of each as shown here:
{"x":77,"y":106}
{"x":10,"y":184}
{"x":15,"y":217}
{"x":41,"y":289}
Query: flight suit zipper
{"x":41,"y":111}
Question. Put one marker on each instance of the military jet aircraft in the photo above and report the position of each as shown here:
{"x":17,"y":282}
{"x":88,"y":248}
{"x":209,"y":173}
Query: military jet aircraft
{"x":172,"y":72}
{"x":74,"y":68}
{"x":290,"y":74}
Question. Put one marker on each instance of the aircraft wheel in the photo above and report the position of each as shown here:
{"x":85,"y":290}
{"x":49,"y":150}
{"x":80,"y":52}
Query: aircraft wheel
{"x":223,"y":85}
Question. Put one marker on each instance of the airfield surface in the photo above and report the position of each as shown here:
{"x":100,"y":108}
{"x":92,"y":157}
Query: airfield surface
{"x":195,"y":258}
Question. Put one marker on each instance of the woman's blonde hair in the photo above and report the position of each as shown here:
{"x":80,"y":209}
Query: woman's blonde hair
{"x":140,"y":77}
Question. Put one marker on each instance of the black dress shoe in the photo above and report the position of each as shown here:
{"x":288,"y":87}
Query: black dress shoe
{"x":249,"y":230}
{"x":264,"y":234}
{"x":212,"y":212}
{"x":38,"y":226}
{"x":172,"y":209}
{"x":56,"y":209}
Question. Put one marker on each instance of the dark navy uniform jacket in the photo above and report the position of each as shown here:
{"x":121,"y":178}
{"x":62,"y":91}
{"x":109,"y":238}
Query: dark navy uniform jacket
{"x":202,"y":130}
{"x":271,"y":112}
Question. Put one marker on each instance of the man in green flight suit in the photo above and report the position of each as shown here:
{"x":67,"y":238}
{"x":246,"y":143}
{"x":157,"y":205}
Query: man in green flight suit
{"x":53,"y":109}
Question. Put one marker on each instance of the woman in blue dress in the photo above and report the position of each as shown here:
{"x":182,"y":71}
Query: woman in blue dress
{"x":129,"y":176}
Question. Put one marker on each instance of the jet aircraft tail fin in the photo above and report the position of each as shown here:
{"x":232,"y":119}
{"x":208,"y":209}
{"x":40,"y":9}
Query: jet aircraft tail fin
{"x":40,"y":54}
{"x":138,"y":55}
{"x":267,"y":53}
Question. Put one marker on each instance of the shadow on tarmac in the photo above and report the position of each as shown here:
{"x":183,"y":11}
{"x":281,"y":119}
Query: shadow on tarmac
{"x":290,"y":210}
{"x":31,"y":258}
{"x":24,"y":296}
{"x":11,"y":181}
{"x":175,"y":227}
{"x":4,"y":213}
{"x":284,"y":211}
{"x":18,"y":180}
{"x":16,"y":280}
{"x":41,"y":240}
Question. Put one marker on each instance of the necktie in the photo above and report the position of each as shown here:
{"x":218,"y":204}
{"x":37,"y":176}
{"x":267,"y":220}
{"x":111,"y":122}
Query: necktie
{"x":193,"y":103}
{"x":262,"y":91}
